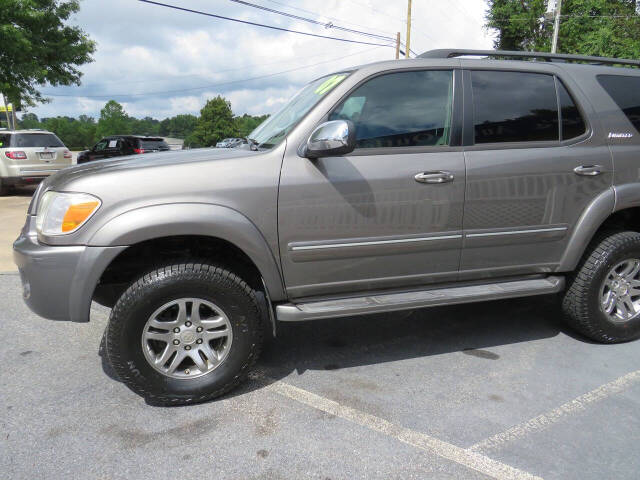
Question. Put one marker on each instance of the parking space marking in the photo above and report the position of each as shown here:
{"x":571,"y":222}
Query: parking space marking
{"x":547,"y":419}
{"x":473,"y":460}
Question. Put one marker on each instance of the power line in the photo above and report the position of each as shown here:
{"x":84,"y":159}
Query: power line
{"x":573,"y":15}
{"x":395,"y":19}
{"x":282,"y":29}
{"x":310,"y":20}
{"x":594,"y":17}
{"x":204,"y":87}
{"x":388,"y":15}
{"x":329,"y":17}
{"x":204,"y":77}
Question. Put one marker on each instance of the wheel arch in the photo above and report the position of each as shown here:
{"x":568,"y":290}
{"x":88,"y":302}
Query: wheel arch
{"x":617,"y":208}
{"x":210,"y":225}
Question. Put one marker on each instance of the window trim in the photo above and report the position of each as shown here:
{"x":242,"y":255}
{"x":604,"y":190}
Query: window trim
{"x":455,"y":139}
{"x":469,"y":127}
{"x":585,"y":118}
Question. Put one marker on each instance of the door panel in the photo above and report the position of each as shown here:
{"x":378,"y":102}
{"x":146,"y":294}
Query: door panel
{"x":389,"y":214}
{"x":522,"y":203}
{"x":527,"y":189}
{"x":364,"y":222}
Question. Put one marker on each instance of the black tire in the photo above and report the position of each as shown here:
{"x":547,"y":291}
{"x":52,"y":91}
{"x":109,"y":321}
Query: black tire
{"x":197,"y":280}
{"x":581,"y":302}
{"x":3,"y":188}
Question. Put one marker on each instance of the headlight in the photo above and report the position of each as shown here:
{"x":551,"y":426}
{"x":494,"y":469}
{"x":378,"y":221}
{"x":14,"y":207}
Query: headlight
{"x":63,"y":213}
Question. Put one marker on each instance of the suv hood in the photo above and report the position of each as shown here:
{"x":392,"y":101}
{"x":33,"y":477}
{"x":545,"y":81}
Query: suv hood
{"x":142,"y":162}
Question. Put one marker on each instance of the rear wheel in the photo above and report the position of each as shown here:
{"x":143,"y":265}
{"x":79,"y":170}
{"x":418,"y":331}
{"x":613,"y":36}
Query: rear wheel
{"x":603,"y":298}
{"x":185,"y":333}
{"x":4,"y":189}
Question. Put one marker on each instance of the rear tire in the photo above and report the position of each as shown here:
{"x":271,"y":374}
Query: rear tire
{"x":602,"y":300}
{"x":4,"y":189}
{"x":217,"y":344}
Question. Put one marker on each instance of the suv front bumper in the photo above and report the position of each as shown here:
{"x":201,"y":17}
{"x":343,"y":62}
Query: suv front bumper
{"x":58,"y":281}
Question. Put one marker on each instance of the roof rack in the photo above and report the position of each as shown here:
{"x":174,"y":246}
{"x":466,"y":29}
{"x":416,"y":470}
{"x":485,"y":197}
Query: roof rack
{"x":550,"y":57}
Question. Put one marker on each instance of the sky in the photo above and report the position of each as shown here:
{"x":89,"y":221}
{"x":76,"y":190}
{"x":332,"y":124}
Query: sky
{"x":161,"y":62}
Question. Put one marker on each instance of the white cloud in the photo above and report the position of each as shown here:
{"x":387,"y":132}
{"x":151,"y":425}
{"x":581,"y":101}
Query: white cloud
{"x":144,"y":48}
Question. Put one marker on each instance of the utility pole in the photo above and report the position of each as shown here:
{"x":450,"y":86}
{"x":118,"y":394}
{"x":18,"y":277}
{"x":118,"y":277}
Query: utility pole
{"x":13,"y":114}
{"x":397,"y":45}
{"x":406,"y":53}
{"x":556,"y":26}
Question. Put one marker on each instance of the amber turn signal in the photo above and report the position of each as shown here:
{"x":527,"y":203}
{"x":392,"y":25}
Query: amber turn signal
{"x":76,"y":214}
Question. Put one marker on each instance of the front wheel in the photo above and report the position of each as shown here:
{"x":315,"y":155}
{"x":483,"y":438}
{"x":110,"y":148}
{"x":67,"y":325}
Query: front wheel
{"x":603,"y":296}
{"x":185,"y":333}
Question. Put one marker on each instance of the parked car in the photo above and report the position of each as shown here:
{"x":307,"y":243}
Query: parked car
{"x":29,"y":156}
{"x":230,"y":143}
{"x":391,"y":186}
{"x":119,"y":145}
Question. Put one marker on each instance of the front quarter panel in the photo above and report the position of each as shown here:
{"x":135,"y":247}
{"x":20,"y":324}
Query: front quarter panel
{"x":167,"y":220}
{"x":229,"y":194}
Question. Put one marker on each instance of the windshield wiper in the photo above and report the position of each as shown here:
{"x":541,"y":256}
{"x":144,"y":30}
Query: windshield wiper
{"x":269,"y":143}
{"x":253,"y":145}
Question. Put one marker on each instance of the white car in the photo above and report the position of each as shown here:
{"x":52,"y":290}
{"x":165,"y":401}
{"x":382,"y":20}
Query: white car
{"x":230,"y":143}
{"x":29,"y":156}
{"x":223,"y":143}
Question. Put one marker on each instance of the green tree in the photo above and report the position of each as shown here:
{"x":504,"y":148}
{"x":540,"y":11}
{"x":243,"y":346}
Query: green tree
{"x":30,"y":120}
{"x":37,"y":48}
{"x":113,"y":120}
{"x":609,"y":28}
{"x":87,"y":132}
{"x":180,"y":126}
{"x":214,"y":124}
{"x":145,"y":126}
{"x":247,"y":123}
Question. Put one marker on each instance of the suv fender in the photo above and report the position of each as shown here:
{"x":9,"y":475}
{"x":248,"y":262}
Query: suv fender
{"x":587,"y":225}
{"x":167,"y":220}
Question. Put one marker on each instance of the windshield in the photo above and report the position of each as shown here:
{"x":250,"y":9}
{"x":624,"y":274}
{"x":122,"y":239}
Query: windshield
{"x":270,"y":132}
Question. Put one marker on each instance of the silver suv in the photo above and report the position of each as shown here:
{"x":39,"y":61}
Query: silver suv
{"x":391,"y":186}
{"x":29,"y":156}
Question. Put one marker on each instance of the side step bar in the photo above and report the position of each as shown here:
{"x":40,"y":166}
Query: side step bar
{"x":417,"y":299}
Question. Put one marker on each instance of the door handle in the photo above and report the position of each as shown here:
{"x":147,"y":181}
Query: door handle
{"x":434,"y":177}
{"x":589,"y":170}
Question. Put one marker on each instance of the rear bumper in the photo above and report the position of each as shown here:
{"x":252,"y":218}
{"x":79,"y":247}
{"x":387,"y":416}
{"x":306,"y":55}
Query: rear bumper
{"x":23,"y":180}
{"x":58,"y":281}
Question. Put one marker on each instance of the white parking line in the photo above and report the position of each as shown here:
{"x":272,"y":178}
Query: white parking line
{"x":473,"y":460}
{"x":549,"y":418}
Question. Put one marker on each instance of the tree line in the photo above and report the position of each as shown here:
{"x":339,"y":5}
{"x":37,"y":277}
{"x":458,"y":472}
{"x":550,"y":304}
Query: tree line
{"x":215,"y":122}
{"x":604,"y":28}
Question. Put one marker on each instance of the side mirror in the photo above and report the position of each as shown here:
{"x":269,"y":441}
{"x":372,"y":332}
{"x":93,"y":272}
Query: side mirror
{"x":329,"y":139}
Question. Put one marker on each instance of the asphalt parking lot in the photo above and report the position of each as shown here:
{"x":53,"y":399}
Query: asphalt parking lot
{"x":492,"y":390}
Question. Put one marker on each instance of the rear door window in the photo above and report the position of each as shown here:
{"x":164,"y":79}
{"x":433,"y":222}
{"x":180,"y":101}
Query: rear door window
{"x":404,"y":109}
{"x":573,"y":125}
{"x":625,"y":91}
{"x":514,"y":107}
{"x":38,"y":140}
{"x":153,"y":145}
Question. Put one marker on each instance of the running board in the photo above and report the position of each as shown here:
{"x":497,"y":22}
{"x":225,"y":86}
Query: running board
{"x":346,"y":307}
